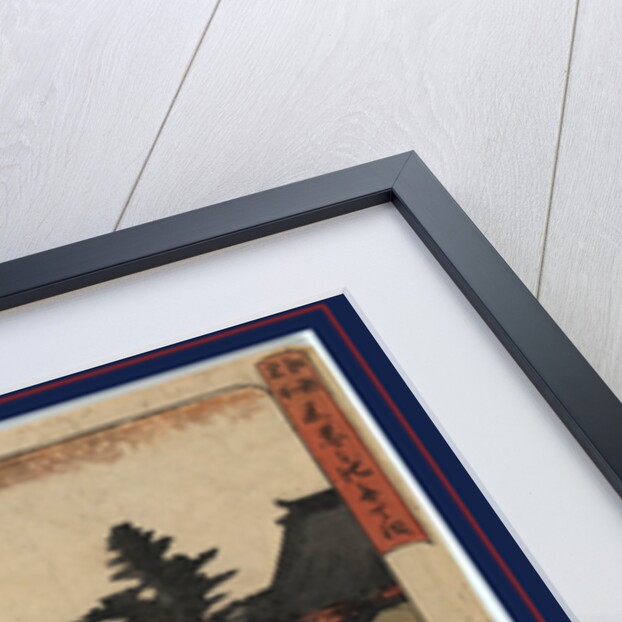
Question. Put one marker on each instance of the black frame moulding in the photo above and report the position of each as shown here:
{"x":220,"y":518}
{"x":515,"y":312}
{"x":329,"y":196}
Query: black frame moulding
{"x":574,"y":390}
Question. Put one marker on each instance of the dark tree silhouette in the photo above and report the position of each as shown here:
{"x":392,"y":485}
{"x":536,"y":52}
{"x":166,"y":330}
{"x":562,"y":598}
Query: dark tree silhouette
{"x":169,"y":589}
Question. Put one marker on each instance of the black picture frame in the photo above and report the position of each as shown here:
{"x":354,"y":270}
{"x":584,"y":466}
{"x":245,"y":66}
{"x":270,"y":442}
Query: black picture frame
{"x":576,"y":393}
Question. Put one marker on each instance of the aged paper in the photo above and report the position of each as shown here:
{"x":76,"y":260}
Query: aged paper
{"x":249,"y":491}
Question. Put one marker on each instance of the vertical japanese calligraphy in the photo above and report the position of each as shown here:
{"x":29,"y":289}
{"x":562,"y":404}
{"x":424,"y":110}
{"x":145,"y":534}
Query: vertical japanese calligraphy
{"x":334,"y":444}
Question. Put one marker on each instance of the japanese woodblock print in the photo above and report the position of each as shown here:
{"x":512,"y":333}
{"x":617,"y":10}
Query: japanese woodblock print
{"x":249,"y":489}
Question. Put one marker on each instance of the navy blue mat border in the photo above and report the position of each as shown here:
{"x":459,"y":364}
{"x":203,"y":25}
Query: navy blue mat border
{"x":391,"y":403}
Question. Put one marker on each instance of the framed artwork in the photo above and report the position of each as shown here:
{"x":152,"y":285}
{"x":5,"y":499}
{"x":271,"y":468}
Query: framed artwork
{"x":286,"y":455}
{"x":269,"y":417}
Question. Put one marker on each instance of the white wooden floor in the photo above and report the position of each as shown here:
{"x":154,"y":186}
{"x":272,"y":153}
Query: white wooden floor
{"x":116,"y":113}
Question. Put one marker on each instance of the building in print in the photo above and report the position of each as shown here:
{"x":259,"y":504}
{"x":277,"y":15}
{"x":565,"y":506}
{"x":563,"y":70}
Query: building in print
{"x":327,"y":570}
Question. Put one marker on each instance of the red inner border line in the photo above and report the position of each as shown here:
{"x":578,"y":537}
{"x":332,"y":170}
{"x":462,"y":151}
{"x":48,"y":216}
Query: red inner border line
{"x":141,"y":358}
{"x":436,"y":468}
{"x":370,"y":374}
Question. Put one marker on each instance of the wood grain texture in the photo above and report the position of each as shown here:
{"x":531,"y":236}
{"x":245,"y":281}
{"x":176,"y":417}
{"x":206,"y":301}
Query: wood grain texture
{"x":84,"y":87}
{"x":279,"y":92}
{"x":582,"y":275}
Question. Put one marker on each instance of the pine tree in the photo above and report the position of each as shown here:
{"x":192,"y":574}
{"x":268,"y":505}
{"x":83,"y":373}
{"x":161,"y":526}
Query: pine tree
{"x":170,"y":589}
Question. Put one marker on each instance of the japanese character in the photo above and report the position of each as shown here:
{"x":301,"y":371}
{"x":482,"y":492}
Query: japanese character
{"x":274,"y":369}
{"x":294,"y":365}
{"x":307,"y":385}
{"x":368,"y":494}
{"x":311,"y":415}
{"x":286,"y":392}
{"x":331,"y":436}
{"x":356,"y":469}
{"x":380,"y":509}
{"x":399,"y":527}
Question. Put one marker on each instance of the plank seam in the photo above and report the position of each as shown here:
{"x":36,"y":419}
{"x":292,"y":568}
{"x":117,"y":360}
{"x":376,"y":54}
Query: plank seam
{"x":167,"y":115}
{"x":547,"y":218}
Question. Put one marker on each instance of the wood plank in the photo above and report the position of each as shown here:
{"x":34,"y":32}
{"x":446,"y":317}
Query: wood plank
{"x":279,"y":92}
{"x":84,"y":87}
{"x":582,"y":275}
